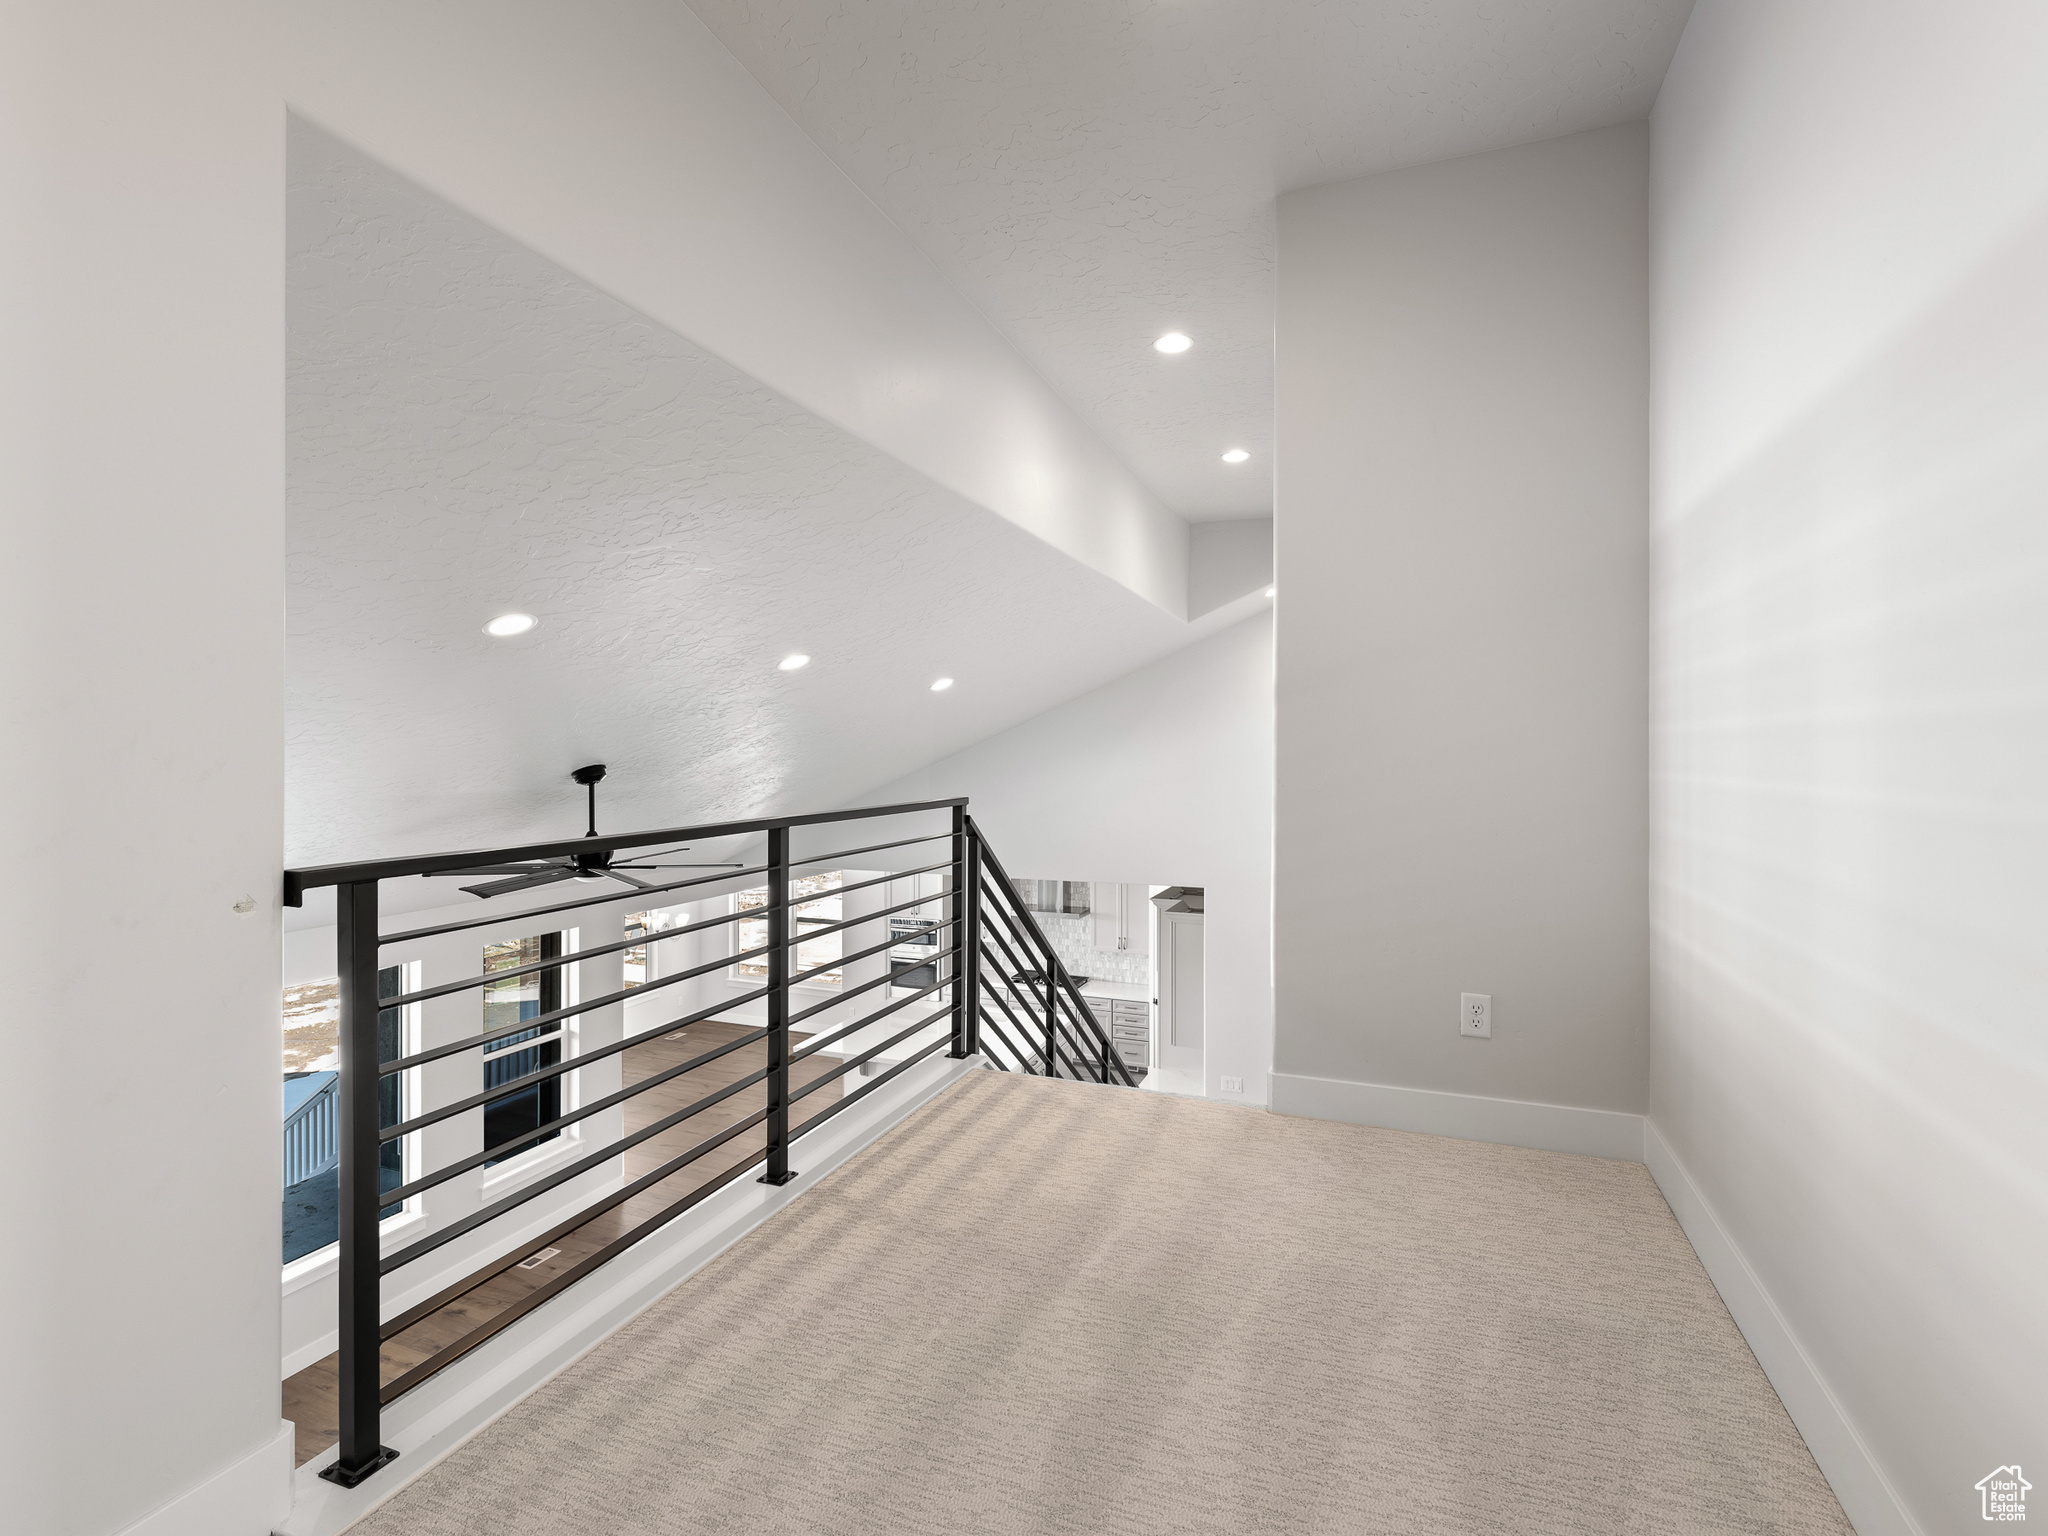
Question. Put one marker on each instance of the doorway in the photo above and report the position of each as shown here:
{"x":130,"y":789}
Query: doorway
{"x":1182,"y":987}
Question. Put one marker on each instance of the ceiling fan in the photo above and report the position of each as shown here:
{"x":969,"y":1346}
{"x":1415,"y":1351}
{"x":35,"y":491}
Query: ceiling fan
{"x":578,"y":866}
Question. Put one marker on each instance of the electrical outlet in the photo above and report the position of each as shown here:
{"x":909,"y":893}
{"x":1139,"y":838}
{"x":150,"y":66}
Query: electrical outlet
{"x":1475,"y":1015}
{"x":1233,"y":1085}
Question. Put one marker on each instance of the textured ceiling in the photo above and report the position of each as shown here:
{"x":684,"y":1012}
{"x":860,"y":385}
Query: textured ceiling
{"x":473,"y":430}
{"x":1092,"y":174}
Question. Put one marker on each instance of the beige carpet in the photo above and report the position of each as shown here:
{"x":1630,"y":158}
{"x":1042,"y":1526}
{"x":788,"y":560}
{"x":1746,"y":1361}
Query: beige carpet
{"x":1048,"y":1307}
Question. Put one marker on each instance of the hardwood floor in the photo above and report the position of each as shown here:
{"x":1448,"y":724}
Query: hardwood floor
{"x":311,"y":1397}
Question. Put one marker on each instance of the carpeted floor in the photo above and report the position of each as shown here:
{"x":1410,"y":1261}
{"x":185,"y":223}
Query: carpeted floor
{"x":1048,"y":1307}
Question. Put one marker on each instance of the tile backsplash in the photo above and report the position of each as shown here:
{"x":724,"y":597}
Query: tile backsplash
{"x":1072,"y":939}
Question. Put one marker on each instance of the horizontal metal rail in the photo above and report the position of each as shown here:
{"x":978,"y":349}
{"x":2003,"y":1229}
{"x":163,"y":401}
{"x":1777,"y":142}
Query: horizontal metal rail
{"x":848,"y":1100}
{"x":855,"y":922}
{"x":574,"y":1063}
{"x":652,"y":936}
{"x":850,"y":1063}
{"x":851,"y":853}
{"x":556,"y":1015}
{"x":840,"y":1032}
{"x":404,"y":1383}
{"x":801,"y":977}
{"x":556,"y":962}
{"x":563,"y":1175}
{"x":504,"y":1319}
{"x":579,"y":1217}
{"x":868,"y":986}
{"x":796,"y":902}
{"x":505,"y":1149}
{"x":514,"y":915}
{"x":950,"y":970}
{"x":298,"y":881}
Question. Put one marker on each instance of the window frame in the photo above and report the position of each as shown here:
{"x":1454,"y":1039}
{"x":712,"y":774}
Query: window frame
{"x":738,"y":972}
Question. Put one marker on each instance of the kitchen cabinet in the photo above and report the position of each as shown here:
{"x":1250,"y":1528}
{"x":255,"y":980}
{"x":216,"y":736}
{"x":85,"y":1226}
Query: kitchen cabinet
{"x":1125,"y":1013}
{"x":1121,"y":911}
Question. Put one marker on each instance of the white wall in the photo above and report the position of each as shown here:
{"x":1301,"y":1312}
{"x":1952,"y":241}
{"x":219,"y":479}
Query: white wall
{"x":621,"y":140}
{"x":1162,"y":777}
{"x":1227,"y":560}
{"x":141,"y":702}
{"x":1461,"y":627}
{"x":1851,"y":710}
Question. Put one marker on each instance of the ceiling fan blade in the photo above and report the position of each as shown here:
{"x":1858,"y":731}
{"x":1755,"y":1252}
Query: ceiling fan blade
{"x":642,"y":884}
{"x":733,"y":865}
{"x":523,"y":883}
{"x":489,"y":869}
{"x":655,"y":853}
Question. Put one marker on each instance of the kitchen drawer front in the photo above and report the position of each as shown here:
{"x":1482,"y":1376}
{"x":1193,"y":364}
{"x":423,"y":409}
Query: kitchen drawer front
{"x":1133,"y":1013}
{"x":1099,"y":1006}
{"x":1132,"y":1055}
{"x":1123,"y":1030}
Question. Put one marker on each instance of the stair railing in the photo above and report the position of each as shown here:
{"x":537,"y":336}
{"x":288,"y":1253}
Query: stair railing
{"x":1057,"y":1034}
{"x":1053,"y":1033}
{"x":364,"y":1267}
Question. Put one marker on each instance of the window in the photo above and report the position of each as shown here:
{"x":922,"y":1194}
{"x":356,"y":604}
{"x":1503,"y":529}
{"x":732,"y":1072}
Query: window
{"x":817,"y":905}
{"x":312,"y":1109}
{"x":522,"y":1052}
{"x":640,"y":961}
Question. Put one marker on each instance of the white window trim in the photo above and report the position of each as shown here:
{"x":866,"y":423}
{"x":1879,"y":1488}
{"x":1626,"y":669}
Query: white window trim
{"x":750,"y":983}
{"x":393,"y":1233}
{"x":522,"y":1168}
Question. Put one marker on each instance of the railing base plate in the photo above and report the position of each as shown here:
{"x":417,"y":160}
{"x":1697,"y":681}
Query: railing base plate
{"x":335,"y":1474}
{"x":776,"y":1178}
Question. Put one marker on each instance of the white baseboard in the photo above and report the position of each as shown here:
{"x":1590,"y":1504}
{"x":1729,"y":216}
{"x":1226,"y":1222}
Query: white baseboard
{"x":1867,"y":1496}
{"x":1471,"y":1117}
{"x":246,"y":1498}
{"x":433,"y":1419}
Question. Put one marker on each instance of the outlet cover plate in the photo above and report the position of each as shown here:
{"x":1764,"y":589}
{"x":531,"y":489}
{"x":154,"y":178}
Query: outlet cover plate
{"x":1475,"y":1015}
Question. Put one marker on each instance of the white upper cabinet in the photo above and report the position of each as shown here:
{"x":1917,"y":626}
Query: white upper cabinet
{"x":1121,"y":911}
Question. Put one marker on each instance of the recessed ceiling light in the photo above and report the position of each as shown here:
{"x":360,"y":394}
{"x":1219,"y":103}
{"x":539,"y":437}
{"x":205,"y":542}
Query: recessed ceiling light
{"x":791,"y":663}
{"x":507,"y":624}
{"x":1235,"y":456}
{"x":1172,"y":342}
{"x":942,"y":685}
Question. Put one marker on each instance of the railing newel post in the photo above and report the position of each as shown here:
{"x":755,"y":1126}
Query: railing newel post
{"x":956,"y":914}
{"x":361,"y":1383}
{"x":779,"y":1171}
{"x":971,"y":938}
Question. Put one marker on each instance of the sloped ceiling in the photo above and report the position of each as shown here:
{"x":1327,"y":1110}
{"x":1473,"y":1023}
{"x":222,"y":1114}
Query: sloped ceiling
{"x":473,"y":430}
{"x":1093,"y":174}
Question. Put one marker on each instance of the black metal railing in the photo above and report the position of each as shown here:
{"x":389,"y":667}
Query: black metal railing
{"x":1026,"y":1012}
{"x":982,"y":943}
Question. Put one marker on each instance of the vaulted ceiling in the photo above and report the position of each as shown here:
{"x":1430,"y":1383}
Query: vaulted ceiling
{"x":473,"y":430}
{"x":475,"y":427}
{"x":1094,"y":174}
